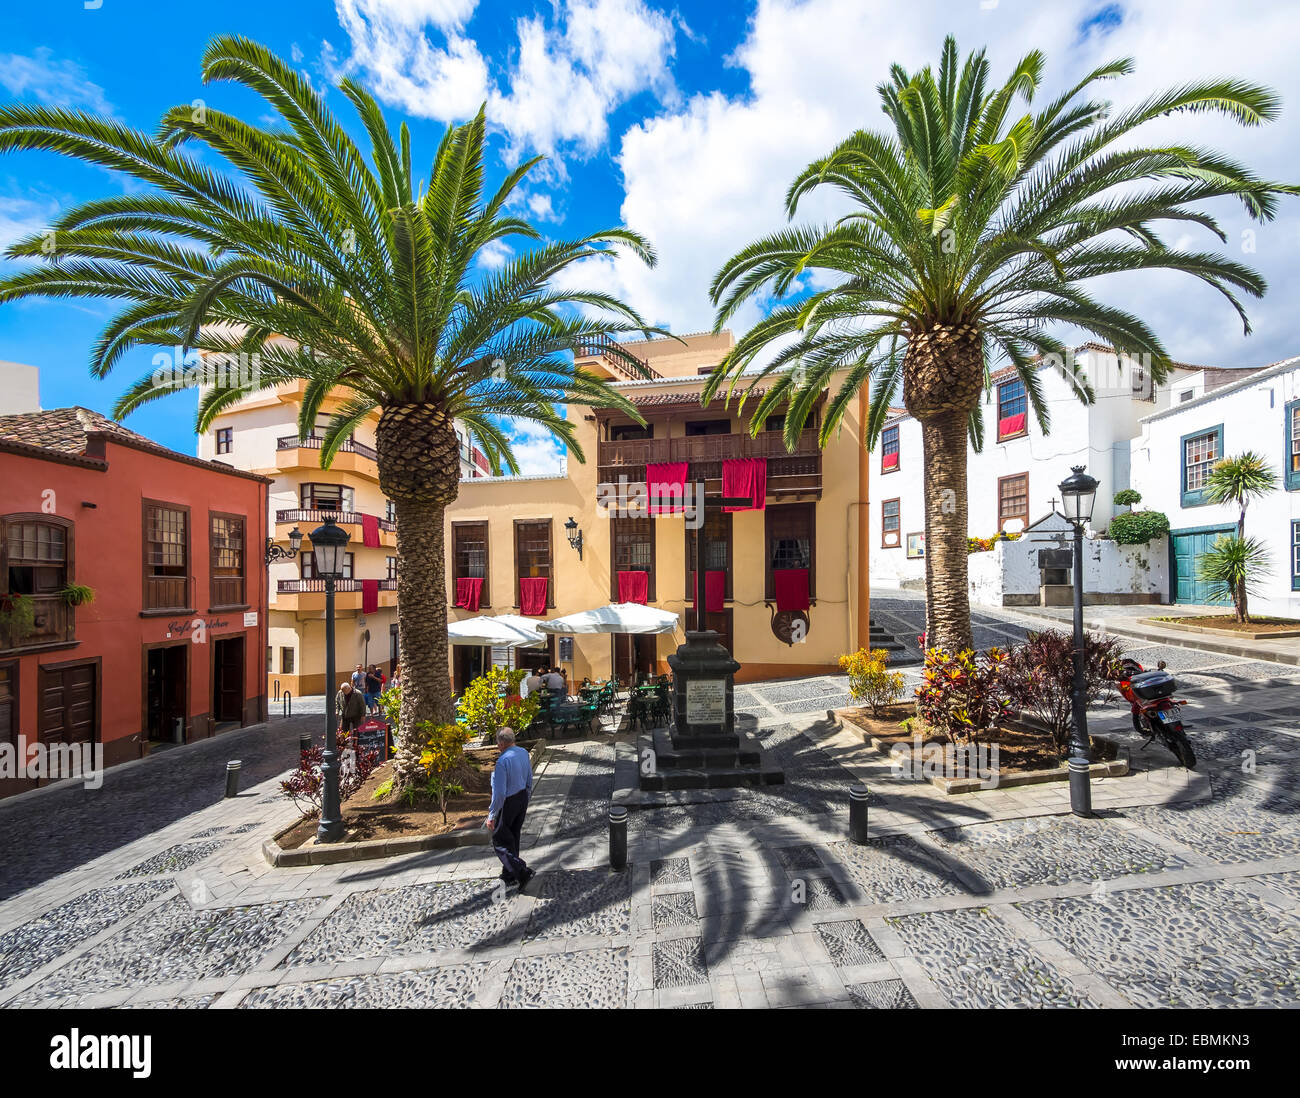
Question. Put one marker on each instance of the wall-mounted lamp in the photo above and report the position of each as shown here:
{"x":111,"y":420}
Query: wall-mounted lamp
{"x":275,"y":552}
{"x":575,"y":535}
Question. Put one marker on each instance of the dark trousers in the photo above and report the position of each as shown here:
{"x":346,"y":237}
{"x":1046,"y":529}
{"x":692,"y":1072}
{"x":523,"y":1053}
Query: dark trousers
{"x":505,"y":839}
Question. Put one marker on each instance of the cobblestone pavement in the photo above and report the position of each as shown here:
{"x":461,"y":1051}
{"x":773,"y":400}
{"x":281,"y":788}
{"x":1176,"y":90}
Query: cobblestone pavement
{"x":1184,"y":890}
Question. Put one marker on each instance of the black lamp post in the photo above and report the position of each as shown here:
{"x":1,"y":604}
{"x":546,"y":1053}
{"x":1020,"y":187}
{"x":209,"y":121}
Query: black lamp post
{"x":274,"y":552}
{"x":1078,"y":492}
{"x":329,"y":546}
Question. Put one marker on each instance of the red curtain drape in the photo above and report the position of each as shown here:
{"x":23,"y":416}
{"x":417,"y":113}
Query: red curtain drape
{"x":369,"y":596}
{"x":889,"y":461}
{"x":532,"y":596}
{"x":469,"y":590}
{"x":666,"y":487}
{"x":745,"y":477}
{"x":1011,"y":425}
{"x":791,"y":587}
{"x":634,"y":587}
{"x":715,"y":592}
{"x":370,"y":531}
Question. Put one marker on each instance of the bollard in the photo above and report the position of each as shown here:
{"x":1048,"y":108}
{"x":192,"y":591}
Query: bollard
{"x":304,"y":742}
{"x":617,"y":837}
{"x":232,"y":778}
{"x":858,"y":813}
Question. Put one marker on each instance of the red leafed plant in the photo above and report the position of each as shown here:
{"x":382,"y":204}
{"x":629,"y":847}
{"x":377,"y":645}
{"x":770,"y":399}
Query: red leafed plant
{"x":961,"y":696}
{"x":305,"y":785}
{"x":1038,"y":676}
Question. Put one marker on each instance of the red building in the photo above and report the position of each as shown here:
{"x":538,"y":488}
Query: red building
{"x":170,"y":646}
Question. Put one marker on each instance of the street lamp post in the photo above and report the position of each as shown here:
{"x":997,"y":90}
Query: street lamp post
{"x":1078,"y":492}
{"x":328,"y":546}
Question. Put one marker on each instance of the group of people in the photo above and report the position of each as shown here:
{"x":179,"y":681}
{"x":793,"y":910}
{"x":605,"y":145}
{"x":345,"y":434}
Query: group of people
{"x":359,"y":696}
{"x":553,"y":678}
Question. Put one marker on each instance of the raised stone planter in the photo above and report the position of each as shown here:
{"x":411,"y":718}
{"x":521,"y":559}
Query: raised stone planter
{"x":1276,"y":634}
{"x":333,"y":853}
{"x":1116,"y":768}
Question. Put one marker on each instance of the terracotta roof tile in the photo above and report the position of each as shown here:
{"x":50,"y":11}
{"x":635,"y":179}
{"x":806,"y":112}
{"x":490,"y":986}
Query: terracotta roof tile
{"x":61,"y":429}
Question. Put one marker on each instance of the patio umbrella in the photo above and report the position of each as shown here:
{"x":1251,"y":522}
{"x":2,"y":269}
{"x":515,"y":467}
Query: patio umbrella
{"x":502,"y":631}
{"x":617,"y":617}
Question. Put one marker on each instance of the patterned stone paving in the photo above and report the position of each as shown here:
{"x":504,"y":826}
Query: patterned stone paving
{"x":1041,"y":910}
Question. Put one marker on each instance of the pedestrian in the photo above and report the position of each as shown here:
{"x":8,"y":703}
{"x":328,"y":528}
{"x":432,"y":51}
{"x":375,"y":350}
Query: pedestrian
{"x":512,"y":787}
{"x":351,"y":705}
{"x":533,"y":681}
{"x":374,"y":684}
{"x":555,"y":681}
{"x":397,"y":677}
{"x":359,"y":679}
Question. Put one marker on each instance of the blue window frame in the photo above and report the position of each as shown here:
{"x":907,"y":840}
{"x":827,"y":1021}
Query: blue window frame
{"x":1295,"y":556}
{"x":1012,"y":401}
{"x":1198,"y":453}
{"x":888,"y":450}
{"x":1291,"y":446}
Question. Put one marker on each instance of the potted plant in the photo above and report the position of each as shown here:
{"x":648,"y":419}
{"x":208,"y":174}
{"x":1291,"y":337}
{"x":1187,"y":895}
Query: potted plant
{"x":17,"y":619}
{"x":77,"y":594}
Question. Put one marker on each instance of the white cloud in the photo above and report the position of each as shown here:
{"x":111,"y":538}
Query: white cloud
{"x":58,"y":83}
{"x":537,"y":450}
{"x":23,"y":215}
{"x":446,"y":81}
{"x":494,"y":255}
{"x":705,"y":179}
{"x":541,"y":207}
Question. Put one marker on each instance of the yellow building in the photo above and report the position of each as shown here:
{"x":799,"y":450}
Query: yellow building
{"x":504,"y":529}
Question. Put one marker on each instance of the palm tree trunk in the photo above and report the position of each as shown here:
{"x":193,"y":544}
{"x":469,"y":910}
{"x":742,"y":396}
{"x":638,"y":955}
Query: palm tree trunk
{"x":419,"y":469}
{"x":946,"y":586}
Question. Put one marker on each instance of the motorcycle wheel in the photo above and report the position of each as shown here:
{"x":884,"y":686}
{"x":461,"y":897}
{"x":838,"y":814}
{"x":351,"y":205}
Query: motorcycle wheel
{"x":1140,"y":725}
{"x":1182,"y":749}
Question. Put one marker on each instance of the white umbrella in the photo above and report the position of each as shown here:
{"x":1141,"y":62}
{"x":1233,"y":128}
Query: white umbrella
{"x":494,"y":632}
{"x":617,"y":617}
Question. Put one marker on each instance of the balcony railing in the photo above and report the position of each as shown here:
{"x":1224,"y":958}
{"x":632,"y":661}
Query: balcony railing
{"x":54,"y":622}
{"x":787,"y":472}
{"x":315,"y":442}
{"x":317,"y":514}
{"x":308,"y":586}
{"x":167,"y":593}
{"x":602,"y":347}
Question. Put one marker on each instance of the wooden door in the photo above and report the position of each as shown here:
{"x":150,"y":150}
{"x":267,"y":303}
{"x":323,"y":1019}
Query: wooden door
{"x":68,"y":707}
{"x":1186,"y":548}
{"x":228,"y":680}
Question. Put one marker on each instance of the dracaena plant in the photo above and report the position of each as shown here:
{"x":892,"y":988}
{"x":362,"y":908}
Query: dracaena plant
{"x":977,"y":227}
{"x":341,"y":269}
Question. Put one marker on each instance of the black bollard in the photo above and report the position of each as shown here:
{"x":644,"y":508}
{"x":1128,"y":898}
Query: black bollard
{"x":232,"y":778}
{"x":304,"y":742}
{"x":858,"y":813}
{"x":617,"y":837}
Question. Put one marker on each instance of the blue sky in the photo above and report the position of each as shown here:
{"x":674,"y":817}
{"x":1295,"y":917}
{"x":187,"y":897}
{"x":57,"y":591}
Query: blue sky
{"x":686,"y":122}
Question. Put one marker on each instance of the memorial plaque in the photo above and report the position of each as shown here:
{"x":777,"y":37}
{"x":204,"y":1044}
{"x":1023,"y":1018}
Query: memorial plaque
{"x":706,"y":701}
{"x":566,"y":650}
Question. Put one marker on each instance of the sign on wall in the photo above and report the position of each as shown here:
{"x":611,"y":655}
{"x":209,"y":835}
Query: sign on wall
{"x":566,"y":650}
{"x":706,"y":701}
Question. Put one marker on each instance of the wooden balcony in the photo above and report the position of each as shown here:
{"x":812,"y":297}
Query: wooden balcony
{"x":54,"y":623}
{"x":293,"y":452}
{"x":788,"y":474}
{"x":307,"y":519}
{"x":308,"y":595}
{"x":164,"y":594}
{"x":601,"y":348}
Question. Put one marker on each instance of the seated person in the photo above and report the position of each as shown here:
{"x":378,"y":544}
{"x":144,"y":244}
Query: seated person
{"x":555,"y":681}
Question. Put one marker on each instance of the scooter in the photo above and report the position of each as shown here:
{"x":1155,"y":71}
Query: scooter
{"x":1155,"y":710}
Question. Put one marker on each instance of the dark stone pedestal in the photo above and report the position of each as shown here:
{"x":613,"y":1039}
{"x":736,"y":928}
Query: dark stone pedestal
{"x":704,"y":748}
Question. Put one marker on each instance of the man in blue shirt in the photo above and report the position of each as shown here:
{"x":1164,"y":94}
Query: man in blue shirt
{"x":512,"y":785}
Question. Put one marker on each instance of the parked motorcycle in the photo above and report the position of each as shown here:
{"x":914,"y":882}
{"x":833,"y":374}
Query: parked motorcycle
{"x":1156,"y":712}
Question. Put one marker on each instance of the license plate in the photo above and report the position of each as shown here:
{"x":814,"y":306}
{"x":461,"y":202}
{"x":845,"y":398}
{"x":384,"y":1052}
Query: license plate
{"x":1169,"y":716}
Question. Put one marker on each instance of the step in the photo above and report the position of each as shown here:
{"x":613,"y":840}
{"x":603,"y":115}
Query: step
{"x":712,"y":779}
{"x":745,"y":752}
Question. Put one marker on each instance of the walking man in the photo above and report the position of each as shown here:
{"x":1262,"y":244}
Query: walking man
{"x":512,"y":785}
{"x":351,"y":706}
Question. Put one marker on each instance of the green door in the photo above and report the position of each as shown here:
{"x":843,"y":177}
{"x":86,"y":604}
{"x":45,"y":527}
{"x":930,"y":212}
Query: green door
{"x":1186,"y":547}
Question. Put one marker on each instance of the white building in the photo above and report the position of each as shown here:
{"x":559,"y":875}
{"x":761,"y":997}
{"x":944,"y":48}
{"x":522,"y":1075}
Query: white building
{"x":1014,"y":478}
{"x":20,"y":389}
{"x":1177,"y":446}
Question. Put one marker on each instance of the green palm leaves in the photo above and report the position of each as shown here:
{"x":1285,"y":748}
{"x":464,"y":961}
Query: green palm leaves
{"x":975,"y":208}
{"x":325,"y":262}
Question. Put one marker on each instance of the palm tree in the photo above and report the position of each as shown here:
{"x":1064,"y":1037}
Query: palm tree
{"x":975,"y":224}
{"x":1236,"y":561}
{"x":334,"y":270}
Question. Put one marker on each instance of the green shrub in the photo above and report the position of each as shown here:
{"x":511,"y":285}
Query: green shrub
{"x":961,"y":696}
{"x":1138,"y":527}
{"x":492,"y":702}
{"x":17,"y":619}
{"x":1126,"y":497}
{"x":1038,"y":677}
{"x":870,"y":679}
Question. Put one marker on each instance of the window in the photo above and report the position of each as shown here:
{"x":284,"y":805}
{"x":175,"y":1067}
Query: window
{"x":390,"y":510}
{"x":334,"y":498}
{"x":225,"y":439}
{"x":391,"y":563}
{"x":1295,"y":556}
{"x":717,"y":549}
{"x":1291,"y":425}
{"x":626,"y":432}
{"x":270,"y":659}
{"x":774,"y":423}
{"x":308,"y":562}
{"x":1013,"y":406}
{"x":890,"y":525}
{"x":166,"y":557}
{"x":1013,"y":499}
{"x":889,"y":450}
{"x":791,"y":535}
{"x":1186,"y":395}
{"x":36,"y":562}
{"x":533,"y":554}
{"x":633,"y":550}
{"x":286,"y":661}
{"x":9,"y":703}
{"x":226,"y":546}
{"x":708,"y":427}
{"x":1199,"y":454}
{"x":469,"y":555}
